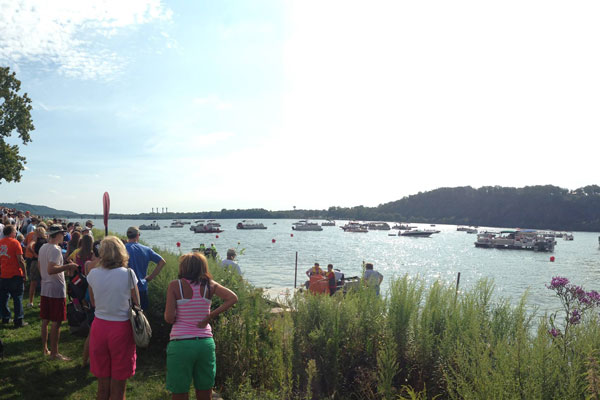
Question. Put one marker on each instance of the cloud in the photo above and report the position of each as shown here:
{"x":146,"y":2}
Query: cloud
{"x":72,"y":36}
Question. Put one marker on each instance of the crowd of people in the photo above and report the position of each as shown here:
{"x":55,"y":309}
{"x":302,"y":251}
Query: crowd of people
{"x":107,"y":277}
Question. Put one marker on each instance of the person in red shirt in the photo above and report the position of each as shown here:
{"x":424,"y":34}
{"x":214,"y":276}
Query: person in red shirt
{"x":12,"y":276}
{"x":330,"y":276}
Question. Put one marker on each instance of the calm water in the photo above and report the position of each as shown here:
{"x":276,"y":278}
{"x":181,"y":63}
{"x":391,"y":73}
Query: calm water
{"x":442,"y":256}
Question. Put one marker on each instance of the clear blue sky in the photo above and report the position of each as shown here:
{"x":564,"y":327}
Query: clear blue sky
{"x":198,"y":105}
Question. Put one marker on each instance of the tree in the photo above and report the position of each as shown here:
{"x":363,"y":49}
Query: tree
{"x":14,"y":115}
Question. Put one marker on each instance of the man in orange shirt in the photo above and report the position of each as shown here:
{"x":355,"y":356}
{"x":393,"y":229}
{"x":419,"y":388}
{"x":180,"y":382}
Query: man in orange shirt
{"x":12,"y":276}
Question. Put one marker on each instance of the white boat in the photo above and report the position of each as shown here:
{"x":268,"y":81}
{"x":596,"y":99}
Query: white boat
{"x":403,"y":227}
{"x":355,"y":227}
{"x":209,"y":227}
{"x":328,"y":223}
{"x":465,"y":228}
{"x":516,"y":240}
{"x":378,"y":226}
{"x":249,"y":224}
{"x":151,"y":227}
{"x":177,"y":224}
{"x":568,"y":236}
{"x":417,"y":233}
{"x":471,"y":230}
{"x":304,"y":225}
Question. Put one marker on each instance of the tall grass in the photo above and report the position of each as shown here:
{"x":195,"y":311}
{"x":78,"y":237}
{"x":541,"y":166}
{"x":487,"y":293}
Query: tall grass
{"x":415,"y":342}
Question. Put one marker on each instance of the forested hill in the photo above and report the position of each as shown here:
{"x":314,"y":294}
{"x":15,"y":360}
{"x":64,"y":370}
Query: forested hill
{"x":540,"y":207}
{"x":536,"y":207}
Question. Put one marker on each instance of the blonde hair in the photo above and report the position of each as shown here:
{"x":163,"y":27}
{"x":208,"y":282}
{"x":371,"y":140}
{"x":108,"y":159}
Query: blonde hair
{"x":40,"y":232}
{"x":194,"y":267}
{"x":113,"y":253}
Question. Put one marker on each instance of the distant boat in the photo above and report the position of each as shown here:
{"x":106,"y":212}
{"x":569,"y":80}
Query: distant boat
{"x":378,"y":226}
{"x":249,"y":224}
{"x":177,"y":224}
{"x":328,"y":223}
{"x":355,"y":227}
{"x":304,"y":225}
{"x":417,"y":233}
{"x":151,"y":227}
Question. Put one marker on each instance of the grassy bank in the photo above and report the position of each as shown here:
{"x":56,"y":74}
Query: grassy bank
{"x":418,"y":342}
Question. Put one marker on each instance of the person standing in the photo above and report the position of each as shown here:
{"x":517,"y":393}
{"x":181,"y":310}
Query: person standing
{"x":330,"y":276}
{"x":139,"y":257}
{"x":53,"y":305}
{"x":112,"y":346}
{"x":12,"y":276}
{"x":230,"y":264}
{"x":191,"y":350}
{"x":372,"y":278}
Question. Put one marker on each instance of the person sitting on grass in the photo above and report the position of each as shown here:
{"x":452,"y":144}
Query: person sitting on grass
{"x":191,"y":350}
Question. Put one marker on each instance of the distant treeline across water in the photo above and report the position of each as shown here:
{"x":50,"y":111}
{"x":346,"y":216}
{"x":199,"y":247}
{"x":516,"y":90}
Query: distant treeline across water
{"x":537,"y":207}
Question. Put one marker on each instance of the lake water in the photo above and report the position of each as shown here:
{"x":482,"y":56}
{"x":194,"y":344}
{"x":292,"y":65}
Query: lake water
{"x":442,"y":256}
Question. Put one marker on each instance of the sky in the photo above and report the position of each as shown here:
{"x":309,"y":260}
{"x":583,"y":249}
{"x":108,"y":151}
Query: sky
{"x":205,"y":105}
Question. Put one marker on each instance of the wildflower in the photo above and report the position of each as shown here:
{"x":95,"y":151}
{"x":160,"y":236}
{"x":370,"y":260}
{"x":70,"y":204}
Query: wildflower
{"x":558,"y":282}
{"x":554,"y":332}
{"x":575,"y":317}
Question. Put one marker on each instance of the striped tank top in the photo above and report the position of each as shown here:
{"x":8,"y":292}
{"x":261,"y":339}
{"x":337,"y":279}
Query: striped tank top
{"x":189,"y":312}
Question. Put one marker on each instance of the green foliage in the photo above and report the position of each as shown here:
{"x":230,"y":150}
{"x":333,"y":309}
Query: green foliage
{"x":14,"y":115}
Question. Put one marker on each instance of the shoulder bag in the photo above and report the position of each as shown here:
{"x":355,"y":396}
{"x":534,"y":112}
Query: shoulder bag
{"x":142,"y":332}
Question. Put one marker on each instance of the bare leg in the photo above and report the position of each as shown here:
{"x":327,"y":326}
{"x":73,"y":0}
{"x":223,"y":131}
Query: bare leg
{"x":204,"y":394}
{"x":45,"y":337}
{"x":54,"y":337}
{"x":86,"y":351}
{"x":103,"y":389}
{"x":32,"y":287}
{"x":117,"y":389}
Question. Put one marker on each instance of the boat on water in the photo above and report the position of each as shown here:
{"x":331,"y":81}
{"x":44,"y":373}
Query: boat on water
{"x":150,"y":227}
{"x":471,"y":230}
{"x":355,"y":227}
{"x":249,"y":224}
{"x":516,"y":240}
{"x":208,"y":227}
{"x":403,"y":227}
{"x":329,"y":222}
{"x":418,"y":233}
{"x":465,"y":228}
{"x":568,"y":236}
{"x":304,"y":225}
{"x":378,"y":226}
{"x":177,"y":224}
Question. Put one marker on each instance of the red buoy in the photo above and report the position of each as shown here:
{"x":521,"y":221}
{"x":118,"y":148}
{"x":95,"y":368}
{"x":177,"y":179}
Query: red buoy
{"x":217,"y":236}
{"x":272,"y":240}
{"x":291,"y":235}
{"x":552,"y":259}
{"x":178,"y":244}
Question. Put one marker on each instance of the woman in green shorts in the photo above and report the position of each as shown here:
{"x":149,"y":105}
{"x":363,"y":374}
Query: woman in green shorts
{"x":191,"y":351}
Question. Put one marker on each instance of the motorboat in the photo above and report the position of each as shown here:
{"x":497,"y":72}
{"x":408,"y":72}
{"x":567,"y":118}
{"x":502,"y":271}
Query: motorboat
{"x":249,"y":224}
{"x":355,"y":227}
{"x":465,"y":228}
{"x":177,"y":224}
{"x":403,"y":227}
{"x":516,"y":240}
{"x":471,"y":230}
{"x":150,"y":227}
{"x":568,"y":236}
{"x":378,"y":226}
{"x":304,"y":225}
{"x":329,"y":222}
{"x":418,"y":233}
{"x":209,"y":227}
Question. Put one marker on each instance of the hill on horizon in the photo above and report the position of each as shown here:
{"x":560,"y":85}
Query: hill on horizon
{"x":40,"y":210}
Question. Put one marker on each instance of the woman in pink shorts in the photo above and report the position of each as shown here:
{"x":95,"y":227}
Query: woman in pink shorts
{"x":112,"y":347}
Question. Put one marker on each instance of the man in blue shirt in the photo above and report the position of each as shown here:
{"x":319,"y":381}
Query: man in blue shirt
{"x":139,"y":257}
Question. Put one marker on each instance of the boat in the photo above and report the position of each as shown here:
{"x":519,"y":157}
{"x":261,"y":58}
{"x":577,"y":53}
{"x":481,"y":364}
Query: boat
{"x":516,"y":240}
{"x":355,"y":227}
{"x":249,"y":224}
{"x":418,"y":233}
{"x":329,"y":222}
{"x":568,"y":236}
{"x":177,"y":224}
{"x":465,"y":228}
{"x":209,"y":227}
{"x":151,"y":227}
{"x":471,"y":230}
{"x":378,"y":226}
{"x":403,"y":227}
{"x":304,"y":225}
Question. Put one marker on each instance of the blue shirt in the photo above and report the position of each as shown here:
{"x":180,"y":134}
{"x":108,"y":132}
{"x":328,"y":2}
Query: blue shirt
{"x":139,"y":257}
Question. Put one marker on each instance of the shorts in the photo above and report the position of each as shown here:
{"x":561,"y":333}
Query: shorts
{"x":33,"y":272}
{"x":191,"y":360}
{"x":112,"y":349}
{"x":53,"y":308}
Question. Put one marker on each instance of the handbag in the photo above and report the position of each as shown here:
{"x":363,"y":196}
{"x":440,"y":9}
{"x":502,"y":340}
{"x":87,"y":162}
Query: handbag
{"x":142,"y":332}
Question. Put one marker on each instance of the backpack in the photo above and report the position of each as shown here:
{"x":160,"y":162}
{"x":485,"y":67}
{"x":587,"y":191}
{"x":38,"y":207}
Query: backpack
{"x":77,"y":317}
